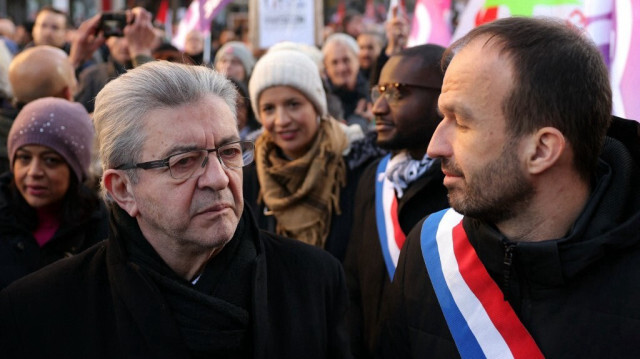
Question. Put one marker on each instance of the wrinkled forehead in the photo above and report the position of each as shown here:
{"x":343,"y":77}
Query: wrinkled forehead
{"x":208,"y":121}
{"x":337,"y":50}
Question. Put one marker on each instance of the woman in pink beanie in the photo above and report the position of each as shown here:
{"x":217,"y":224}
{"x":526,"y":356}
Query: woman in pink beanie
{"x":46,"y":212}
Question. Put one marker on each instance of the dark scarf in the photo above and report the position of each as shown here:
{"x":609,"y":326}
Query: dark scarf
{"x":350,"y":98}
{"x":214,"y":315}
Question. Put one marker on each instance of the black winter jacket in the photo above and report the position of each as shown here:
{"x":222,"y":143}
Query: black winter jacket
{"x":20,"y":254}
{"x":367,"y":275}
{"x":99,"y":304}
{"x":578,"y":296}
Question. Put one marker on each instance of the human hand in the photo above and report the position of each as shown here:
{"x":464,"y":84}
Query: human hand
{"x":139,"y":32}
{"x":86,"y":41}
{"x":364,"y":109}
{"x":397,"y":30}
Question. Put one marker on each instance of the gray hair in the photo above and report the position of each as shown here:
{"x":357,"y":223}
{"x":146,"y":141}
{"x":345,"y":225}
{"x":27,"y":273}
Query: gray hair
{"x":124,"y":102}
{"x":341,"y":38}
{"x":5,"y":60}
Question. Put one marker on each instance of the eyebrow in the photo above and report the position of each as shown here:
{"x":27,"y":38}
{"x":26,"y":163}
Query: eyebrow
{"x":178,"y":149}
{"x":45,"y":152}
{"x":457,"y":108}
{"x":186,"y":148}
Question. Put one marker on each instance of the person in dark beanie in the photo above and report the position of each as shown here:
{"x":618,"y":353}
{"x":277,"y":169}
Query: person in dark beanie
{"x":46,"y":212}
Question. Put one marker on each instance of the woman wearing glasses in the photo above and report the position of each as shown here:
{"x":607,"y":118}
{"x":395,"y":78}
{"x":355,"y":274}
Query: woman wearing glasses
{"x":306,"y":170}
{"x":46,"y":212}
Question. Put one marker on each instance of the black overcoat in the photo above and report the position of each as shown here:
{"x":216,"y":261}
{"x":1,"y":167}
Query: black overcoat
{"x":100,"y":305}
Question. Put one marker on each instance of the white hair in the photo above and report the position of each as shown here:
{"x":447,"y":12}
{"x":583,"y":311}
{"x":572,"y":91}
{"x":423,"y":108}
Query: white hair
{"x":341,"y":38}
{"x":125,"y":101}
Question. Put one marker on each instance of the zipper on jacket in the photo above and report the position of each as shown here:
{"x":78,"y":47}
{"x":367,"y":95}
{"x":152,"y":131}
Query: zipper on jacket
{"x":506,"y":270}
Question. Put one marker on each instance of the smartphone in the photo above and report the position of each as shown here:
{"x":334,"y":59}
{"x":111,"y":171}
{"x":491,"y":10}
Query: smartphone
{"x":113,"y":23}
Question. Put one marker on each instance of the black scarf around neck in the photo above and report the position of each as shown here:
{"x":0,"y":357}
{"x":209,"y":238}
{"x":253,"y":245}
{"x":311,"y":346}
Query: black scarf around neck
{"x":214,"y":315}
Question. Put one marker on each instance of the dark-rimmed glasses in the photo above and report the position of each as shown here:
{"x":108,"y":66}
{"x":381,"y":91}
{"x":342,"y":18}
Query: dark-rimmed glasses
{"x":393,"y":91}
{"x":189,"y":164}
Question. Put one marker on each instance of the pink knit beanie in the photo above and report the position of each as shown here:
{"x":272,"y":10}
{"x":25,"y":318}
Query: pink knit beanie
{"x":61,"y":125}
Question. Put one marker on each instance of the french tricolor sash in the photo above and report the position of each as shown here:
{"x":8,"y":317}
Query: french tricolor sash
{"x":482,"y":323}
{"x":389,"y":231}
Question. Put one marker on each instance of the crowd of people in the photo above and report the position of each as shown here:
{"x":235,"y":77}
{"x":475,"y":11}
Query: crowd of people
{"x":358,"y":199}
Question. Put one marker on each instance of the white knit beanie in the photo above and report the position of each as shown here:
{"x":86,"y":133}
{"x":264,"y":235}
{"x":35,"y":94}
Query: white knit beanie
{"x":288,"y":68}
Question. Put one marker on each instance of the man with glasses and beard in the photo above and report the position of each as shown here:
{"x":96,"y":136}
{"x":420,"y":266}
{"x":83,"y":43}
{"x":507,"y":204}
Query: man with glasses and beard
{"x":185,"y":272}
{"x":539,"y":255}
{"x":395,"y":192}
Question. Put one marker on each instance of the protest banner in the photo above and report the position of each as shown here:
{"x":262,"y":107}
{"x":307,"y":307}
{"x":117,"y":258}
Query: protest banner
{"x":273,"y":21}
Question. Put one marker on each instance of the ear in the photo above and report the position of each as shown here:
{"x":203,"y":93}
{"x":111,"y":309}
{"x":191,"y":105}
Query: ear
{"x":119,"y":186}
{"x":543,"y":149}
{"x":65,"y":93}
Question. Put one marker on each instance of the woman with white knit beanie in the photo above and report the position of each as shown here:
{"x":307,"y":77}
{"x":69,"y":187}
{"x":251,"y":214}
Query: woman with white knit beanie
{"x":301,"y":186}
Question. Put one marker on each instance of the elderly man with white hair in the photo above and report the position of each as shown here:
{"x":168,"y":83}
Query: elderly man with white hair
{"x":344,"y":81}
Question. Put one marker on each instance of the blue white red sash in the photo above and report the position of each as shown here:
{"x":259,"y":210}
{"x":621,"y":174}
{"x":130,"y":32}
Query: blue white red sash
{"x":389,"y":231}
{"x":482,"y":323}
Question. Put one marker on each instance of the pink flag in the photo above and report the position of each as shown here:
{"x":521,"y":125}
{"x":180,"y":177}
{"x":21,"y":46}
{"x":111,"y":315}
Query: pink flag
{"x":625,"y":61}
{"x":430,"y":23}
{"x":613,"y":25}
{"x":198,"y":16}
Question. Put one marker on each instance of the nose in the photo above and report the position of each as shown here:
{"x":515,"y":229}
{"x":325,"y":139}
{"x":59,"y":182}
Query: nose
{"x":214,"y":176}
{"x":282,"y":118}
{"x":224,"y":66}
{"x":35,"y":168}
{"x":440,"y":144}
{"x":381,"y":106}
{"x":343,"y":66}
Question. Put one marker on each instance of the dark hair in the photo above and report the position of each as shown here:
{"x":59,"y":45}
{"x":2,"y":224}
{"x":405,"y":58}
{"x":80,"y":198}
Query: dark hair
{"x":427,"y":57}
{"x":171,"y":53}
{"x":78,"y":204}
{"x":375,"y":34}
{"x":252,"y":122}
{"x":560,"y":80}
{"x":67,"y":20}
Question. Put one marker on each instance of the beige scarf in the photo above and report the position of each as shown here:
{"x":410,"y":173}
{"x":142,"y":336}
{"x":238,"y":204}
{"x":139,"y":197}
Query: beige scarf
{"x":303,"y":193}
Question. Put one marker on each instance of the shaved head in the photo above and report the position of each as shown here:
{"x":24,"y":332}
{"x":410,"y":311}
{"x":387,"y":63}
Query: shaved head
{"x":7,"y":28}
{"x":41,"y":71}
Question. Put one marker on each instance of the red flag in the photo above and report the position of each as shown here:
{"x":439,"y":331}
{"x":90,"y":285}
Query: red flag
{"x":161,"y":15}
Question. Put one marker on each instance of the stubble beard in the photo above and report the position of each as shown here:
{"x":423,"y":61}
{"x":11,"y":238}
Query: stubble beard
{"x":497,"y":193}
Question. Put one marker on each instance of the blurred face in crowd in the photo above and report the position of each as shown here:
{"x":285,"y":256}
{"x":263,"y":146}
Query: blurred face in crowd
{"x":7,"y":28}
{"x":290,"y":118}
{"x":354,"y":26}
{"x":194,"y":43}
{"x":341,"y":65}
{"x":370,"y":47}
{"x":201,"y":212}
{"x":41,"y":175}
{"x":226,"y":36}
{"x":242,"y":110}
{"x":49,"y":29}
{"x":406,"y":115}
{"x":231,"y":66}
{"x":480,"y":159}
{"x":119,"y":49}
{"x":22,"y":36}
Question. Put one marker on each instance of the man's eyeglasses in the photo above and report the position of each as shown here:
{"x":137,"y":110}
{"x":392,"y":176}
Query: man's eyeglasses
{"x":192,"y":164}
{"x":393,"y":91}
